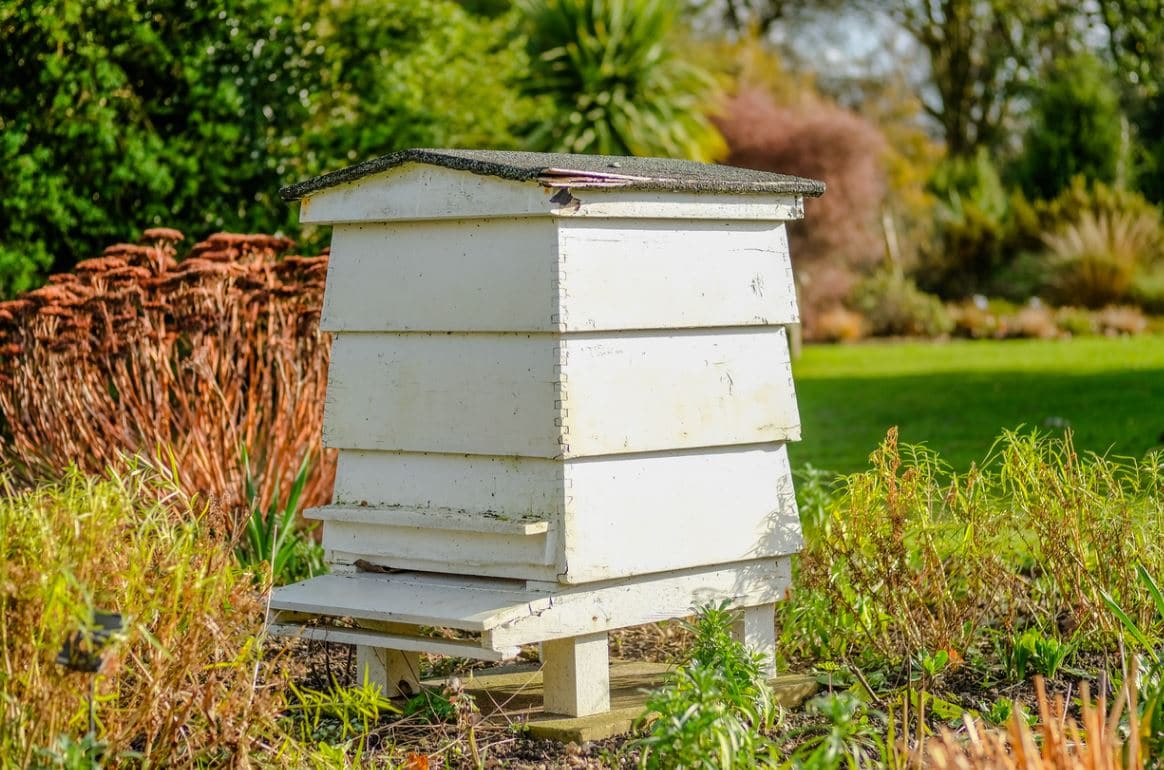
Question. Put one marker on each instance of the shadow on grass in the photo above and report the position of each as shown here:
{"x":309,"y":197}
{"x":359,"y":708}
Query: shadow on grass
{"x":960,"y":414}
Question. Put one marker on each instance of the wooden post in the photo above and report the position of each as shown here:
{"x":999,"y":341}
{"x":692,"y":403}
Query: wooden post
{"x":576,"y":675}
{"x":397,"y":672}
{"x":756,"y":628}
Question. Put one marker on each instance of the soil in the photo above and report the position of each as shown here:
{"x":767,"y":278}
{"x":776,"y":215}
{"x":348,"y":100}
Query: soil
{"x":420,"y":744}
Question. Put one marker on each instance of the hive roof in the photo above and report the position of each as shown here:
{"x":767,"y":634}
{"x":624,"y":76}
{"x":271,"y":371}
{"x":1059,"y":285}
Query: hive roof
{"x":576,"y":171}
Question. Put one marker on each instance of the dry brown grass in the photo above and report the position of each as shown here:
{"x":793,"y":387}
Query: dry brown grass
{"x":138,"y":350}
{"x":1058,"y":743}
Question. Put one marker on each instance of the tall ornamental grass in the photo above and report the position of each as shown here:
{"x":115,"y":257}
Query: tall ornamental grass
{"x":184,"y":683}
{"x":207,"y":354}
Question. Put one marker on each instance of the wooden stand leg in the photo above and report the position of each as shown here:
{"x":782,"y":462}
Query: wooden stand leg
{"x":756,"y":628}
{"x":397,"y":672}
{"x":576,"y":675}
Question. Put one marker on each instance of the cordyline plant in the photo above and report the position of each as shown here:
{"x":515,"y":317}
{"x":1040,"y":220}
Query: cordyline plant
{"x":137,"y":351}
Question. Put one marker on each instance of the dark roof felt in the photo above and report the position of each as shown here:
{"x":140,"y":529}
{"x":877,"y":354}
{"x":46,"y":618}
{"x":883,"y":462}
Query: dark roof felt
{"x":576,"y":171}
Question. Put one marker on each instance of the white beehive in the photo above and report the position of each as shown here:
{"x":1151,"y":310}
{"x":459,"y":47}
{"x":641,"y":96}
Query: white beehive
{"x":555,"y":380}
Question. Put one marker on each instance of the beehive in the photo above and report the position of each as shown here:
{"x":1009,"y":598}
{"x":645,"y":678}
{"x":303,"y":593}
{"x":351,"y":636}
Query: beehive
{"x":555,"y":380}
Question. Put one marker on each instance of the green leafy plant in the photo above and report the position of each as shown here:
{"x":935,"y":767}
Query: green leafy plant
{"x":273,"y":536}
{"x":711,"y":712}
{"x":337,"y":715}
{"x":1148,"y":681}
{"x":614,"y":81}
{"x":1033,"y":653}
{"x":894,"y":306}
{"x":849,"y":739}
{"x":68,"y":753}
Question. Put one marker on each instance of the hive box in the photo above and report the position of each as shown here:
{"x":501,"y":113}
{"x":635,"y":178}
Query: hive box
{"x":563,"y":374}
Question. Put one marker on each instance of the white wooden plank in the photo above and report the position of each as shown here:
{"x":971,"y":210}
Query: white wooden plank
{"x":510,"y":486}
{"x":430,"y":518}
{"x":662,"y":274}
{"x":417,"y":192}
{"x":442,"y":550}
{"x":460,"y":275}
{"x":576,"y":675}
{"x":644,"y":599}
{"x":455,"y":647}
{"x":673,"y":390}
{"x":509,"y":616}
{"x":638,"y":204}
{"x":425,"y":600}
{"x":489,"y":394}
{"x":700,"y":507}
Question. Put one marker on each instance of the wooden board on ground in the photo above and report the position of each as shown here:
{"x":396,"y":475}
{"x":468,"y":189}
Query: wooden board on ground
{"x":514,"y":693}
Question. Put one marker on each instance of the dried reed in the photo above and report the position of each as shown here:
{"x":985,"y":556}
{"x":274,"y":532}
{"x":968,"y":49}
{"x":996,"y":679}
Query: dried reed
{"x":137,"y":350}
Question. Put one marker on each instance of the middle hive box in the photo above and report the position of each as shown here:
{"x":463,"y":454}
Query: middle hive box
{"x":608,"y":398}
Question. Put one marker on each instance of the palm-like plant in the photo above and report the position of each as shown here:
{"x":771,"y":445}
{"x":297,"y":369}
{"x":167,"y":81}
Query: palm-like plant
{"x":613,"y":82}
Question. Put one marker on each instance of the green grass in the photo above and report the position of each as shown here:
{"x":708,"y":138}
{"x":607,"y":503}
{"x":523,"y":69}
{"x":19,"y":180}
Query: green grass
{"x":955,"y":397}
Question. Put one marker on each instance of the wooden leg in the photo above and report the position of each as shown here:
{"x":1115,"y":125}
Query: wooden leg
{"x":756,"y":628}
{"x":576,"y":675}
{"x":396,"y":672}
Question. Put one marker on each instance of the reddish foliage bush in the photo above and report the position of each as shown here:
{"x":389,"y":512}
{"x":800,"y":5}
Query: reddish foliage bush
{"x":841,"y":236}
{"x":137,"y":351}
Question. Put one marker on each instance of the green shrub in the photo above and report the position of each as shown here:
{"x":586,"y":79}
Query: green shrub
{"x":971,"y":228}
{"x":1076,"y":128}
{"x":273,"y":544}
{"x":894,"y":306}
{"x":612,"y":81}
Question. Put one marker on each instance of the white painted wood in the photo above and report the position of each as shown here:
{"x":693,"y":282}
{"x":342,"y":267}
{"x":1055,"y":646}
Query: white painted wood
{"x":418,"y":191}
{"x":430,"y":518}
{"x":637,"y":204}
{"x":397,"y":672}
{"x":615,"y":504}
{"x":674,"y":390}
{"x":577,"y":275}
{"x":441,"y":550}
{"x":489,"y":394}
{"x":461,"y":648}
{"x":462,"y":275}
{"x":447,"y":601}
{"x":644,"y":513}
{"x":755,"y":627}
{"x":632,"y":601}
{"x":509,"y":615}
{"x":576,"y":675}
{"x":663,"y":274}
{"x":503,"y":394}
{"x":508,"y":486}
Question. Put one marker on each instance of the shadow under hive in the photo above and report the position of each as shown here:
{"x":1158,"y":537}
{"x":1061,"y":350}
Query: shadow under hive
{"x":561,"y":390}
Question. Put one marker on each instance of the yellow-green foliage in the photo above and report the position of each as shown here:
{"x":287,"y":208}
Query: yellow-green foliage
{"x":178,"y":687}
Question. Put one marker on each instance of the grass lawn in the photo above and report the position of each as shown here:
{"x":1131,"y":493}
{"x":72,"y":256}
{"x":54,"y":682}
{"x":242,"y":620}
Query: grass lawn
{"x":957,"y":396}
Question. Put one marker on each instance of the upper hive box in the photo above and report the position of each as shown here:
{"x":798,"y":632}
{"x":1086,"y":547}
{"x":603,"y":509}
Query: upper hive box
{"x":557,"y":368}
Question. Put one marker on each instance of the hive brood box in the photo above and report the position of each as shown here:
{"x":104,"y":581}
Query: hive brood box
{"x":560,"y":377}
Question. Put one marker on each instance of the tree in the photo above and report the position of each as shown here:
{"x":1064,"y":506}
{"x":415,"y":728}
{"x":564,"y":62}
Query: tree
{"x":612,"y":81}
{"x":1136,"y":43}
{"x":117,"y":115}
{"x":1076,"y":129}
{"x":760,"y":17}
{"x":122,"y":114}
{"x":980,"y":52}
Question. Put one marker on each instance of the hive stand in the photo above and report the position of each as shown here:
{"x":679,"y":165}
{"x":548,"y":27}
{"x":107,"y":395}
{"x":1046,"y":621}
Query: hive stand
{"x":561,"y":391}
